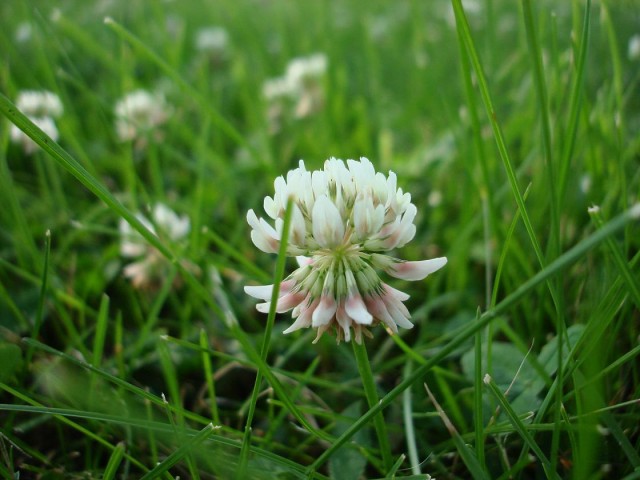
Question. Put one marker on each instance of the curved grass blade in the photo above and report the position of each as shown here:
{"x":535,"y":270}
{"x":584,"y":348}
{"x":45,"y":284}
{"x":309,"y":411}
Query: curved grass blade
{"x":176,"y":456}
{"x":114,"y":462}
{"x":520,"y":427}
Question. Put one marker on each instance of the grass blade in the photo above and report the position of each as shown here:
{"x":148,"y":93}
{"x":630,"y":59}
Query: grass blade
{"x":176,"y":456}
{"x":519,"y":426}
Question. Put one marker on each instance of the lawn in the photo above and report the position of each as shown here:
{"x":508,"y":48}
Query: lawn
{"x":466,"y":305}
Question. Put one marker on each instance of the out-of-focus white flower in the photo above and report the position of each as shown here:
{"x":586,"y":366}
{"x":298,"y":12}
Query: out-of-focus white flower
{"x":346,"y":217}
{"x":212,"y":40}
{"x":304,"y":70}
{"x":41,"y":107}
{"x":299,"y":92}
{"x":138,"y":113}
{"x":39,"y":103}
{"x":277,"y":88}
{"x":149,"y":265}
{"x":24,"y":32}
{"x":634,"y":47}
{"x":46,"y":124}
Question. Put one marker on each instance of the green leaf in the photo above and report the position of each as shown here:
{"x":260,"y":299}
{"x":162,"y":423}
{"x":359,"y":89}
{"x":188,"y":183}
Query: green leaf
{"x":10,"y":359}
{"x":347,"y":462}
{"x":548,"y":355}
{"x":510,"y":370}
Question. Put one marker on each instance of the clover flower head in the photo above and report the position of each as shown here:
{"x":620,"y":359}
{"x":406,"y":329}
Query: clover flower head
{"x":214,"y":40}
{"x":138,"y":113}
{"x":39,"y":103}
{"x":41,"y":107}
{"x":299,"y":92}
{"x":304,"y":70}
{"x":633,"y":50}
{"x":345,"y":220}
{"x":149,"y":265}
{"x":46,"y":124}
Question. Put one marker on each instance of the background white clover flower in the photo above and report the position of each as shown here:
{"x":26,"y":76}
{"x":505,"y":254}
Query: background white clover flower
{"x":42,"y":107}
{"x":138,"y":113}
{"x":46,"y":124}
{"x":213,"y":40}
{"x":149,"y":264}
{"x":39,"y":103}
{"x":345,"y":218}
{"x":299,"y":92}
{"x":633,"y":49}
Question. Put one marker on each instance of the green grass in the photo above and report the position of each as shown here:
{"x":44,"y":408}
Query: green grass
{"x":505,"y":122}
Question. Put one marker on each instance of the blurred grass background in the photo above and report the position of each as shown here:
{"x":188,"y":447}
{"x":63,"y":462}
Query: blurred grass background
{"x":395,"y":93}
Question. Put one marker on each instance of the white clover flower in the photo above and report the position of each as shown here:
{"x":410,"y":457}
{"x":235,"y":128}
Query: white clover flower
{"x":299,"y":92}
{"x":149,"y":264}
{"x":39,"y":103}
{"x":138,"y":113}
{"x":214,"y":40}
{"x":277,"y":88}
{"x":304,"y":70}
{"x":634,"y":47}
{"x":41,"y":107}
{"x":46,"y":124}
{"x":345,"y":219}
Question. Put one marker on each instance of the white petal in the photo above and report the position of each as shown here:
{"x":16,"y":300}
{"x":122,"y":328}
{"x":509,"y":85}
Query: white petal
{"x":264,"y":236}
{"x":325,"y":311}
{"x":367,"y":219}
{"x":298,"y":232}
{"x":397,"y":294}
{"x":262,"y":292}
{"x":264,"y":243}
{"x":344,"y":321}
{"x":270,"y":207}
{"x":328,"y":228}
{"x":304,"y":320}
{"x":357,"y":310}
{"x":399,"y":315}
{"x":303,"y":261}
{"x":416,"y":270}
{"x":376,"y":306}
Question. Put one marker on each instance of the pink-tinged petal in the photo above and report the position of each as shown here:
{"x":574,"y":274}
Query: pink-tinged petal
{"x":399,"y":314}
{"x":376,"y":306}
{"x":266,"y":244}
{"x":328,"y":227}
{"x":285,"y":303}
{"x":288,"y":301}
{"x":303,"y":261}
{"x":416,"y":270}
{"x":397,"y":294}
{"x":304,"y":319}
{"x":325,"y":311}
{"x":357,"y":310}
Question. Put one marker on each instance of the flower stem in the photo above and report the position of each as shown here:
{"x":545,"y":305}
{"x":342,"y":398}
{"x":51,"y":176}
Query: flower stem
{"x":364,"y":367}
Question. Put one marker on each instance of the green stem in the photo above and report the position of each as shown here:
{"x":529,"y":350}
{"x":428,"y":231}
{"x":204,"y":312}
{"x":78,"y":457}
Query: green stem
{"x":369,"y":384}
